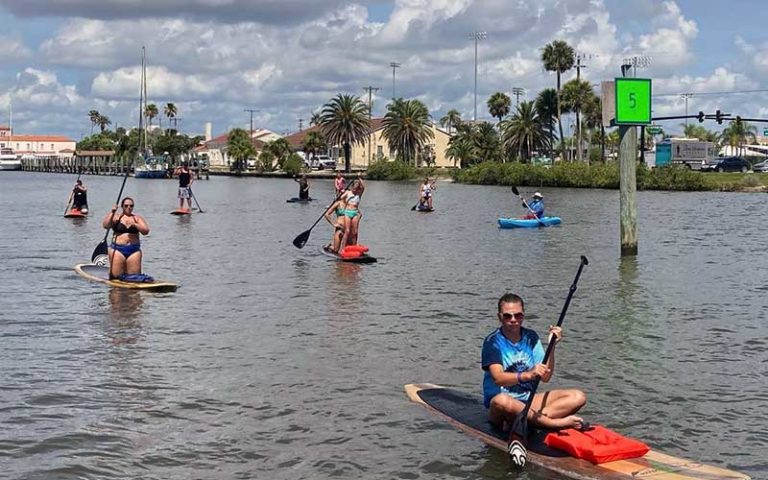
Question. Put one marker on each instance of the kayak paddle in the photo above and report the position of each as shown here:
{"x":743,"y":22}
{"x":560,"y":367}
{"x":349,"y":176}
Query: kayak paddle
{"x":514,"y":190}
{"x":199,"y":209}
{"x":101,"y":249}
{"x":301,"y":239}
{"x":519,"y":432}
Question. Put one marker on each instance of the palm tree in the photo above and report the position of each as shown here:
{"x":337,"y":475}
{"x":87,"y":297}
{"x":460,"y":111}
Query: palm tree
{"x":546,"y":110}
{"x":486,"y":142}
{"x":93,"y":116}
{"x":575,"y":96}
{"x":460,"y":150}
{"x":498,"y":105}
{"x":151,"y":112}
{"x":103,"y":121}
{"x":407,"y":128}
{"x":738,"y":133}
{"x":280,"y":148}
{"x":170,"y":111}
{"x":451,"y":119}
{"x":315,"y":120}
{"x":239,"y":146}
{"x":313,"y":143}
{"x":558,"y":57}
{"x":524,"y":132}
{"x":593,"y":120}
{"x":344,"y":121}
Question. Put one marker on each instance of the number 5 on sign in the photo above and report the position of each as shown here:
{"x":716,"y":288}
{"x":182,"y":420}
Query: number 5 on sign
{"x":633,"y":101}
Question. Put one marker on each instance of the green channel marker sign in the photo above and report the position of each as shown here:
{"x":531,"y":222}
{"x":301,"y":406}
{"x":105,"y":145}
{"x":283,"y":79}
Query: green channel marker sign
{"x":633,"y":101}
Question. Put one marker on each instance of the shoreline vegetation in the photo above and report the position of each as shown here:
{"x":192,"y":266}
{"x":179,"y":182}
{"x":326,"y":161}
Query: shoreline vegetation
{"x":576,"y":175}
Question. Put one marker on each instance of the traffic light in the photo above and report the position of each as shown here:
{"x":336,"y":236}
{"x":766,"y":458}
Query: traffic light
{"x":701,"y":117}
{"x":719,"y":117}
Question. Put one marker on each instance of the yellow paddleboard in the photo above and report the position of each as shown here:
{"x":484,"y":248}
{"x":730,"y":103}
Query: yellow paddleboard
{"x":100,"y":274}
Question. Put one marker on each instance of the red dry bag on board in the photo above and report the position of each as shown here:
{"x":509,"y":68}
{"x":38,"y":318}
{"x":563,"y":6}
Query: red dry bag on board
{"x":596,"y":444}
{"x":346,"y":252}
{"x":357,"y":247}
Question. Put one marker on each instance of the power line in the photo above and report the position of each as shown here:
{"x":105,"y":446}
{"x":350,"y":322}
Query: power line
{"x":732,"y":92}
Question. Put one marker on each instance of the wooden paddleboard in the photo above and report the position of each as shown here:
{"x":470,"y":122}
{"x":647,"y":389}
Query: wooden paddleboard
{"x":467,"y":413}
{"x":75,"y":214}
{"x":181,"y":211}
{"x":98,"y":273}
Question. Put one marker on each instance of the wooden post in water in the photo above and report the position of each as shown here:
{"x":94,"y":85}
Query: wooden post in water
{"x":628,"y":189}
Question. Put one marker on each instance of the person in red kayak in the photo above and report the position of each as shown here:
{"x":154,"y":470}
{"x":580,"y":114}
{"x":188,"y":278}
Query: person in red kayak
{"x":512,"y":358}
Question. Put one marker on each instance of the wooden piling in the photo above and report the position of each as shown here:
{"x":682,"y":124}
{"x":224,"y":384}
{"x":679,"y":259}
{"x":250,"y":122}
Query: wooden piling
{"x":628,"y":189}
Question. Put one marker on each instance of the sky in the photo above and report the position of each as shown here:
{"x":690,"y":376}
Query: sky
{"x":286,"y":58}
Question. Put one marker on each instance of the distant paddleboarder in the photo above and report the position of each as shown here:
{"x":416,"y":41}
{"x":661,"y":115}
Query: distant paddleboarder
{"x":185,"y":183}
{"x":80,"y":197}
{"x":340,"y":183}
{"x":303,"y":187}
{"x":425,"y":194}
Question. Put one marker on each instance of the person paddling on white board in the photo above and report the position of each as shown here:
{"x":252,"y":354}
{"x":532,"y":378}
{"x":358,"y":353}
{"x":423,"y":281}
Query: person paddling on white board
{"x":125,"y":251}
{"x":512,"y":358}
{"x":535,"y":207}
{"x":185,"y":185}
{"x":80,"y":197}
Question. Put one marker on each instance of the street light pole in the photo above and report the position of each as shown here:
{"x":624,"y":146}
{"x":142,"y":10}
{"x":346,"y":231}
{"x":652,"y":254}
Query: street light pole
{"x":370,"y":91}
{"x":250,"y":137}
{"x":394,"y":66}
{"x":476,"y":36}
{"x":686,"y":96}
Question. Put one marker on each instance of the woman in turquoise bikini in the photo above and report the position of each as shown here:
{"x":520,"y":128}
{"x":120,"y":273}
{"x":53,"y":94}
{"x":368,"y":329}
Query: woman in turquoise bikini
{"x":352,"y":214}
{"x":125,"y":250}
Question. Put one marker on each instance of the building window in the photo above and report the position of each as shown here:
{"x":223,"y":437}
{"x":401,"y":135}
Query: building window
{"x":29,"y":147}
{"x":51,"y":146}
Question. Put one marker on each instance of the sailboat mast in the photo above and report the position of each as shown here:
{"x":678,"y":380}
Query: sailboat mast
{"x":142,"y":108}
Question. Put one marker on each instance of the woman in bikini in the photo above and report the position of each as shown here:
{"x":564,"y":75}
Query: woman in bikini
{"x":352,"y":214}
{"x":125,"y":250}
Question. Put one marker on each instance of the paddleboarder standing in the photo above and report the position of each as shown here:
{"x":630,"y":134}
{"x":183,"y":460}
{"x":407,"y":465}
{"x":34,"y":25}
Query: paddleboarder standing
{"x":80,"y":197}
{"x":185,"y":183}
{"x":512,"y":358}
{"x":535,"y":207}
{"x":125,"y":251}
{"x":303,"y":187}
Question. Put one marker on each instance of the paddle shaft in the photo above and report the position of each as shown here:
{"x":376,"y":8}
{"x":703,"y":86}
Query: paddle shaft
{"x":195,"y":199}
{"x":521,"y":418}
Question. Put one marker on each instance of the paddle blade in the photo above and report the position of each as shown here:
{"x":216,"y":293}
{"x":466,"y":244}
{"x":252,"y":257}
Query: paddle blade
{"x":99,"y":256}
{"x":584,"y":260}
{"x":301,"y":239}
{"x":413,"y":207}
{"x":517,"y":453}
{"x":514,"y":190}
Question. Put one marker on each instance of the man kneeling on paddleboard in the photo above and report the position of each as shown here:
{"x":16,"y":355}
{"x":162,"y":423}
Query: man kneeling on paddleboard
{"x":512,"y":358}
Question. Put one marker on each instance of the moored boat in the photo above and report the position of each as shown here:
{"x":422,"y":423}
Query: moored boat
{"x":9,"y":160}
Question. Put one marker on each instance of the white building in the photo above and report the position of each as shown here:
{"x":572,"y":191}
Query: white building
{"x":36,"y":145}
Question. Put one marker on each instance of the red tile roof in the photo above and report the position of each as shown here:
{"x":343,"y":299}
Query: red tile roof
{"x":41,"y":138}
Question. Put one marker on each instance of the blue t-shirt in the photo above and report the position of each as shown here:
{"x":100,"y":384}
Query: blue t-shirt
{"x":537,"y":206}
{"x":513,"y":357}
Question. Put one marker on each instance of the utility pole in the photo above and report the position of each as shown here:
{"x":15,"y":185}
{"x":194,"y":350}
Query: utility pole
{"x":476,"y":36}
{"x":517,"y":91}
{"x":394,"y":66}
{"x":686,"y":96}
{"x":301,"y":124}
{"x":641,"y":61}
{"x":370,"y":91}
{"x":250,"y":136}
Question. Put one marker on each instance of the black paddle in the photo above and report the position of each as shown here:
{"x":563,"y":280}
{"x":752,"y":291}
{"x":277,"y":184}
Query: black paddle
{"x":301,"y":239}
{"x":519,"y":432}
{"x":101,"y":249}
{"x":514,"y":190}
{"x":195,"y":199}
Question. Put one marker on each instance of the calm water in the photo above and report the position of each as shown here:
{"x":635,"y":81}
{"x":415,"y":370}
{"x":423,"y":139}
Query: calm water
{"x":274,"y":362}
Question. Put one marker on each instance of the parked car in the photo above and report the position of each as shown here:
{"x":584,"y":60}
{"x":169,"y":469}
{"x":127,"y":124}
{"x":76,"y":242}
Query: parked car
{"x":321,"y":162}
{"x":760,"y":167}
{"x":726,"y":164}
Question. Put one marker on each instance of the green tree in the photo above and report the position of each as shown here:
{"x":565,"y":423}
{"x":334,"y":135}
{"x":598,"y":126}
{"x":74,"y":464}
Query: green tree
{"x":407,"y":128}
{"x":738,"y":133}
{"x":546,"y":110}
{"x":267,"y":161}
{"x":150,"y":112}
{"x":293,"y":165}
{"x":486,"y":142}
{"x":498,"y":105}
{"x":576,"y":95}
{"x":170,"y":110}
{"x":316,"y":119}
{"x":281,"y":149}
{"x":240,"y":147}
{"x":461,"y":150}
{"x":450,"y":120}
{"x":103,"y":122}
{"x":524,"y":133}
{"x":100,"y":142}
{"x":692,"y":130}
{"x":558,"y":57}
{"x":313,"y":143}
{"x":176,"y":145}
{"x":93,"y":116}
{"x":344,"y":121}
